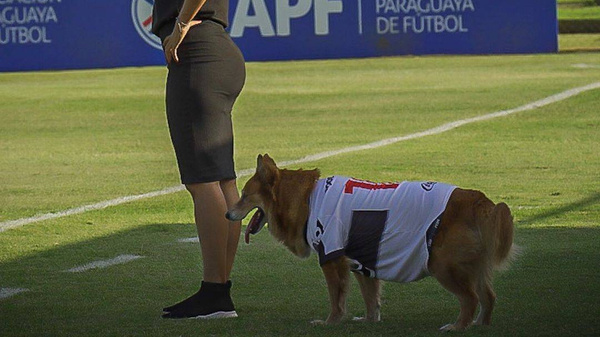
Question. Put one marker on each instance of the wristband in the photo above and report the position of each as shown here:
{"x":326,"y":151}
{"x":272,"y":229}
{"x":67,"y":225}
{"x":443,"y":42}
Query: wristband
{"x":180,"y":25}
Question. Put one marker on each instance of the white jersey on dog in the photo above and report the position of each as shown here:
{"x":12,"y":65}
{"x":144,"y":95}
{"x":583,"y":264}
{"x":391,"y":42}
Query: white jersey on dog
{"x":385,"y":229}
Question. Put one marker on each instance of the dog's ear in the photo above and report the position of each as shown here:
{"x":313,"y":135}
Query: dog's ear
{"x":266,"y":169}
{"x":270,"y":160}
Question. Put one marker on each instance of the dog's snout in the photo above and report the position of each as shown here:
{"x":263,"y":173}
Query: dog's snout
{"x":232,"y":215}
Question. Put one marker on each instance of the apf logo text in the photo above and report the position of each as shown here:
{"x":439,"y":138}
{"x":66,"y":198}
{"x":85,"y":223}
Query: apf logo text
{"x":284,"y":13}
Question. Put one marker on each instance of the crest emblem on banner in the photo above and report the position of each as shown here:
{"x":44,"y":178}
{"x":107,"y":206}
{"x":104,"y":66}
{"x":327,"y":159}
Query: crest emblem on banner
{"x":141,"y":14}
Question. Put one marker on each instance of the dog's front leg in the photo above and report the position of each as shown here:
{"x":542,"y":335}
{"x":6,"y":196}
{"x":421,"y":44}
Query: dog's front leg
{"x":371,"y":292}
{"x":337,"y":277}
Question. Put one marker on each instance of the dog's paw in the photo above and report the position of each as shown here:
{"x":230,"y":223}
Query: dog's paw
{"x":448,"y":327}
{"x":318,"y":322}
{"x":365,"y":319}
{"x":479,"y":321}
{"x":451,"y":327}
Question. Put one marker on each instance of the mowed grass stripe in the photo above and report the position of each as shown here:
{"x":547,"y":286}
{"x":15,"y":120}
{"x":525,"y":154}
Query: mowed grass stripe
{"x":310,"y":158}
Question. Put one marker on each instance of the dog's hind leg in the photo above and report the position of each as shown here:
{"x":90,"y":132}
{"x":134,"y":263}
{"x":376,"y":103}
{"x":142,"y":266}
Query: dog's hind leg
{"x":461,"y":284}
{"x":370,"y":289}
{"x":337,"y":274}
{"x":487,"y":298}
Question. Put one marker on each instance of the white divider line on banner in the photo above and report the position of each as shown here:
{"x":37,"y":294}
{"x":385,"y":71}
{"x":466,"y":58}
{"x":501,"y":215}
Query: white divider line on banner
{"x":360,"y":18}
{"x":314,"y":157}
{"x":104,"y":263}
{"x":10,"y":292}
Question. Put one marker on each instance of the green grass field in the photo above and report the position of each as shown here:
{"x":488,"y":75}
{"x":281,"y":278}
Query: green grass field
{"x":578,"y":10}
{"x":79,"y":137}
{"x":579,"y":42}
{"x":579,"y":13}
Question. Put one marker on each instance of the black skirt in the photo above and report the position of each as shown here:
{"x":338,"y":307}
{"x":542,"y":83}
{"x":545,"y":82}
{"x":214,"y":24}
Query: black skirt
{"x":201,"y":90}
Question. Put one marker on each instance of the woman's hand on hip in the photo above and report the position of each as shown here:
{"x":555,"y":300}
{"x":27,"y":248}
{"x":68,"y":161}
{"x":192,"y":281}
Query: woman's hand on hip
{"x":172,"y":42}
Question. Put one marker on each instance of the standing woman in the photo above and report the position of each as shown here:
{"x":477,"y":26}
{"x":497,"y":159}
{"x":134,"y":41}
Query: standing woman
{"x":206,"y":75}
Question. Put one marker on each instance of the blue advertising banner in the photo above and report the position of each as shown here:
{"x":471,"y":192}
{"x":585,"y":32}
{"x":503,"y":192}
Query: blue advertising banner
{"x":75,"y":34}
{"x":302,"y":29}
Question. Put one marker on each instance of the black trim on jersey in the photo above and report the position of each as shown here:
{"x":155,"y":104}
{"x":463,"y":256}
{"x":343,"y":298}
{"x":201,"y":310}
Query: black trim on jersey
{"x":320,"y":248}
{"x":324,"y":258}
{"x":365,"y":235}
{"x":432,"y":231}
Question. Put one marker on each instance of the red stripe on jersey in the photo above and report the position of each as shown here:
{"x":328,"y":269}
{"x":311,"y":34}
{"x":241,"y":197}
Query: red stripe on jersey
{"x":368,"y":185}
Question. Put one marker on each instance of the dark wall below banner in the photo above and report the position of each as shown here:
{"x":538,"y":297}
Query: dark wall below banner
{"x":77,"y":34}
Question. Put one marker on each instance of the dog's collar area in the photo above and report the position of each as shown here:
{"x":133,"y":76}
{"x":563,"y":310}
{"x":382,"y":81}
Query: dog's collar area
{"x":306,"y":232}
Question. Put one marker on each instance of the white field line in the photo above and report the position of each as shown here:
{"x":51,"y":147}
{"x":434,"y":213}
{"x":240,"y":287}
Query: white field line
{"x":189,"y":240}
{"x":86,"y":208}
{"x":529,"y":207}
{"x":10,"y":292}
{"x":448,"y":126}
{"x":433,"y":131}
{"x":104,"y":263}
{"x":586,"y":66}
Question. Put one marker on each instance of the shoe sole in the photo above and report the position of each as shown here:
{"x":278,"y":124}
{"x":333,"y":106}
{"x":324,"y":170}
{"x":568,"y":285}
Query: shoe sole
{"x":217,"y":315}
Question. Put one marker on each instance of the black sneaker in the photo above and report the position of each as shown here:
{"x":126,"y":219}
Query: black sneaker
{"x":182,"y":303}
{"x":213,"y":300}
{"x":191,"y":298}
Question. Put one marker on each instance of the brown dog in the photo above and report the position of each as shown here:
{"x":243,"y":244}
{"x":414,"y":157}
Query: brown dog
{"x":459,"y":236}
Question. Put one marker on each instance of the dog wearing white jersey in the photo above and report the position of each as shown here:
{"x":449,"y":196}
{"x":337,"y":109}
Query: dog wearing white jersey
{"x":399,"y":232}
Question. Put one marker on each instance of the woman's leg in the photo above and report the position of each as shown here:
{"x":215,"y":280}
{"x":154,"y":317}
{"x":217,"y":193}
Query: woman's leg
{"x":218,"y":242}
{"x":231,"y":194}
{"x":210,"y":206}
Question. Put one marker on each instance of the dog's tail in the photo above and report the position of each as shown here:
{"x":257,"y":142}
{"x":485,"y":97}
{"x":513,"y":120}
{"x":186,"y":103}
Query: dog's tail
{"x":502,"y":234}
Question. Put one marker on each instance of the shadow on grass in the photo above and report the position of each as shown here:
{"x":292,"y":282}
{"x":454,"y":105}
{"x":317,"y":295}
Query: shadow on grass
{"x":127,"y":299}
{"x":550,"y":290}
{"x":555,"y":212}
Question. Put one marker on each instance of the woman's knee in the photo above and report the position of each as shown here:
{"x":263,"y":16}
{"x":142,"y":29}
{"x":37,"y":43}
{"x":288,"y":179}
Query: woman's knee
{"x":228,"y":184}
{"x":198,"y":190}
